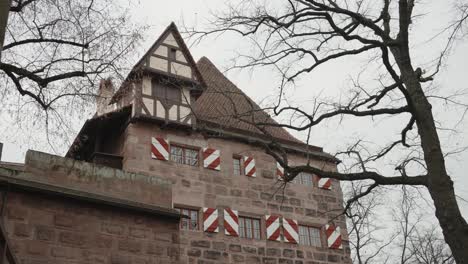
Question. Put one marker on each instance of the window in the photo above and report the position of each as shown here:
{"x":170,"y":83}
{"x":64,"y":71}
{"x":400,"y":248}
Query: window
{"x":304,"y":178}
{"x":249,"y":227}
{"x":236,"y":163}
{"x":184,"y":155}
{"x":309,"y":236}
{"x":167,"y":93}
{"x":172,"y":54}
{"x":190,"y":223}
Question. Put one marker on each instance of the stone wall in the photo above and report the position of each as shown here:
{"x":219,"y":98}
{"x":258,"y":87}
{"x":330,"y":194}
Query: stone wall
{"x":89,"y":177}
{"x":197,"y":187}
{"x":47,"y":230}
{"x":124,"y":218}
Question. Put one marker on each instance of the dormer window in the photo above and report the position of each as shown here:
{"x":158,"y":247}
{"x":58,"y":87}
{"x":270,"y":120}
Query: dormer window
{"x":166,"y":93}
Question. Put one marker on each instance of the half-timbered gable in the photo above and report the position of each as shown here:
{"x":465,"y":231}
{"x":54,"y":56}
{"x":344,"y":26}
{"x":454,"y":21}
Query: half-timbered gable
{"x":165,"y":82}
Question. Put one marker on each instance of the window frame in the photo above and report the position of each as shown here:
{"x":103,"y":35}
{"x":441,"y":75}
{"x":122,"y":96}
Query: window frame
{"x":184,"y":156}
{"x":239,"y":158}
{"x":300,"y":180}
{"x":309,"y":236}
{"x":252,"y":227}
{"x":156,"y":85}
{"x":190,"y":211}
{"x":172,"y":53}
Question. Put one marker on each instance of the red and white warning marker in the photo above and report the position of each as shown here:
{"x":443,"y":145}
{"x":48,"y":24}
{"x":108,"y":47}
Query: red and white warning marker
{"x":290,"y":230}
{"x":211,"y":159}
{"x":210,"y":220}
{"x":325,"y":183}
{"x":273,"y":227}
{"x":231,"y":222}
{"x":249,"y":166}
{"x":333,"y":234}
{"x":159,"y":148}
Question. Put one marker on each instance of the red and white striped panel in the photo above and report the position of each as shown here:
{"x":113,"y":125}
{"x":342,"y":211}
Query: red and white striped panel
{"x":210,"y":220}
{"x":231,"y":222}
{"x":159,"y":148}
{"x":273,"y":227}
{"x":324,"y":183}
{"x":211,"y":159}
{"x":249,"y":166}
{"x":290,"y":230}
{"x":279,"y":171}
{"x":333,"y":234}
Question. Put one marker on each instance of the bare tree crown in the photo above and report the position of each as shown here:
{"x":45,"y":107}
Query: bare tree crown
{"x":302,"y":35}
{"x":57,"y":49}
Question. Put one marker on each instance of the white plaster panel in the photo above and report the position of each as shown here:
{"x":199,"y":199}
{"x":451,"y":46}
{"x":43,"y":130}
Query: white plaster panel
{"x":160,"y":110}
{"x":184,"y":112}
{"x":173,"y":113}
{"x":170,"y":40}
{"x":180,"y":69}
{"x":149,"y":103}
{"x":133,"y":108}
{"x":180,"y":56}
{"x":158,"y":63}
{"x":161,"y":51}
{"x":186,"y":95}
{"x":146,"y":87}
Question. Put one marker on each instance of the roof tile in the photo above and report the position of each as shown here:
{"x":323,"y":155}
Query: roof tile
{"x":225,"y":105}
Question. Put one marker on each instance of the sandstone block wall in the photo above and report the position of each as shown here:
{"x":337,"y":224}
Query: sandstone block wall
{"x":47,"y":230}
{"x":50,"y":226}
{"x":197,"y":187}
{"x":89,"y":177}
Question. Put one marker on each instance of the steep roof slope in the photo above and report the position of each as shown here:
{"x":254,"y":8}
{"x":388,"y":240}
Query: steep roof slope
{"x":223,"y":104}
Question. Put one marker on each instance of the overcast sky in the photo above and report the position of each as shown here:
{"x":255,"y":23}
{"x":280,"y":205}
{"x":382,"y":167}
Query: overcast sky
{"x":329,"y":80}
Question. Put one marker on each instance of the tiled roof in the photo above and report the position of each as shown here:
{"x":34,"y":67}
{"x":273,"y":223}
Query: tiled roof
{"x":225,"y":105}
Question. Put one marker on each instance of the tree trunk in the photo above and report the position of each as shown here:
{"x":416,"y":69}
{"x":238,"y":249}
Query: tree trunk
{"x":440,"y":185}
{"x":4,"y":10}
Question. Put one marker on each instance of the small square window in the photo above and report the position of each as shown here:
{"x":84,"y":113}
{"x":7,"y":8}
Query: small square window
{"x":249,"y":227}
{"x":309,"y":236}
{"x":237,"y":166}
{"x":190,"y":223}
{"x":183,"y":155}
{"x":304,"y":178}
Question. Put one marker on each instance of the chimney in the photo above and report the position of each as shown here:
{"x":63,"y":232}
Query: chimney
{"x":105,"y":92}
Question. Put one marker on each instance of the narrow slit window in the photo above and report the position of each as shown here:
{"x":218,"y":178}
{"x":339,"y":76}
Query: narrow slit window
{"x":172,"y":54}
{"x":237,"y":167}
